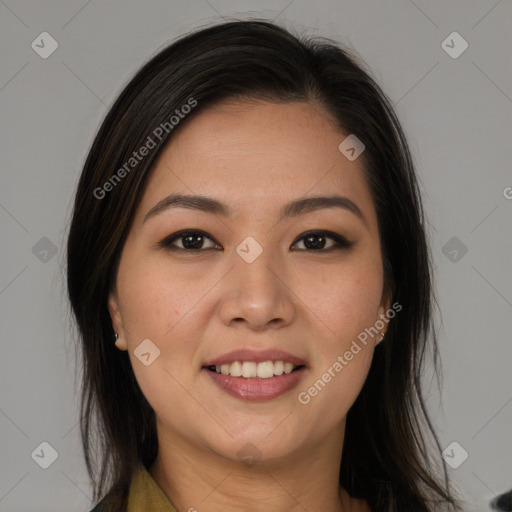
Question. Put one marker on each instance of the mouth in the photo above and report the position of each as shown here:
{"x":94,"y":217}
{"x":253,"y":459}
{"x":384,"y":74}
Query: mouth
{"x":256,"y":375}
{"x":255,"y":370}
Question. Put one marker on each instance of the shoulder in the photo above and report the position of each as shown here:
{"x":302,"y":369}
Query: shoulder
{"x":143,"y":494}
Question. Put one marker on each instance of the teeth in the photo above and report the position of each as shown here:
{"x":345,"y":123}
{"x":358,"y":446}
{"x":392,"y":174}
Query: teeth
{"x":288,"y":367}
{"x":265,"y":370}
{"x":235,"y":369}
{"x":278,"y":367}
{"x":251,"y":370}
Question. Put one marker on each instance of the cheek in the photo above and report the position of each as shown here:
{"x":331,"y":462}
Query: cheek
{"x":159,"y":307}
{"x":344,"y":299}
{"x":345,"y":304}
{"x":153,"y":300}
{"x":163,"y":305}
{"x":326,"y":399}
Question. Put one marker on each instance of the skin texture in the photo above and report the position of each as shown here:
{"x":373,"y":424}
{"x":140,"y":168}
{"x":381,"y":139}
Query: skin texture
{"x":195,"y":306}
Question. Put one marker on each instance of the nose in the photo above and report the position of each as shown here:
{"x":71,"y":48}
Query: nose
{"x":258,"y":294}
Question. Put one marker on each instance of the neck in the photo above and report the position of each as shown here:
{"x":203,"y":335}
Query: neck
{"x":195,"y":478}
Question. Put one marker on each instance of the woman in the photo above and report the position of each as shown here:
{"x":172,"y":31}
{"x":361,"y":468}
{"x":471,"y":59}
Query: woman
{"x":249,"y":272}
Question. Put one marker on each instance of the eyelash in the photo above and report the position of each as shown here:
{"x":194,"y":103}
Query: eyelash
{"x":341,"y":242}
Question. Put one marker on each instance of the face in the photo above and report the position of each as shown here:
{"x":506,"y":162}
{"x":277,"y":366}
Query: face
{"x":251,"y":291}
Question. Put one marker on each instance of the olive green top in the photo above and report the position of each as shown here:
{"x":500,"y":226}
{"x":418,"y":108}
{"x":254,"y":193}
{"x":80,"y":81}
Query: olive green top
{"x":145,"y":494}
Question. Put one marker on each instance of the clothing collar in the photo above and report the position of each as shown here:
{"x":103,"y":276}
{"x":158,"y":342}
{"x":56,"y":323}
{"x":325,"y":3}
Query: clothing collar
{"x":145,"y":494}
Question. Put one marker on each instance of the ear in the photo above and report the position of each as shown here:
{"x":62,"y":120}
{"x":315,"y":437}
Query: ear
{"x":384,"y":306}
{"x":117,"y":321}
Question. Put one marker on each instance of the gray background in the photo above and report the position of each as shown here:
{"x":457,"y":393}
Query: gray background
{"x":457,"y":115}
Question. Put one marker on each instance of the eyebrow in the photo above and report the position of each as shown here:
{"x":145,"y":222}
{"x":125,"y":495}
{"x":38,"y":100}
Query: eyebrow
{"x":292,"y":209}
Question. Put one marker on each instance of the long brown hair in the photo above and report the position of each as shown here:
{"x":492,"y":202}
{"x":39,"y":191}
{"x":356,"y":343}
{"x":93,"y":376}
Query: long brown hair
{"x":391,"y":455}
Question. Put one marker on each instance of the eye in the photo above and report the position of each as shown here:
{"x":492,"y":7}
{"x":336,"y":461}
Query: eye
{"x":190,"y":240}
{"x":316,"y":241}
{"x":193,"y":241}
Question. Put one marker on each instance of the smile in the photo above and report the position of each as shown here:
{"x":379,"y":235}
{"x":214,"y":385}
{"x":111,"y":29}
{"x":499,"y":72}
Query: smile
{"x":252,"y":369}
{"x":256,"y":375}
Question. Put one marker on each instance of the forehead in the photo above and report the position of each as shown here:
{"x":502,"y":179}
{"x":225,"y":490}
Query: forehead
{"x":258,"y":155}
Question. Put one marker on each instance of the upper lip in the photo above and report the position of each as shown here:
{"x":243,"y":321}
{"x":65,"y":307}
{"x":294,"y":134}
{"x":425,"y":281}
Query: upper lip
{"x":257,"y":356}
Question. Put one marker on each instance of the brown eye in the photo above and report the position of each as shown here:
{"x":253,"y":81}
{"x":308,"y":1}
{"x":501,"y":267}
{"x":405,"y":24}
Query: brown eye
{"x":194,"y":241}
{"x":317,"y":240}
{"x":189,"y":240}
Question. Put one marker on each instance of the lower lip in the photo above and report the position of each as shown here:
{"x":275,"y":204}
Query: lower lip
{"x":257,"y":389}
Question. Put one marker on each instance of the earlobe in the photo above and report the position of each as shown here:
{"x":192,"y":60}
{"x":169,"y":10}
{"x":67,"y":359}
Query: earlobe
{"x":117,"y":323}
{"x":120,"y":343}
